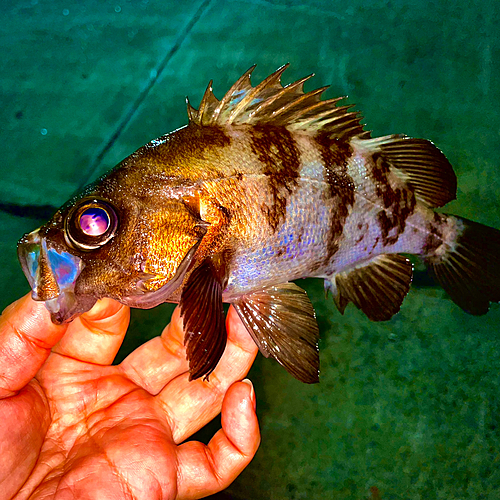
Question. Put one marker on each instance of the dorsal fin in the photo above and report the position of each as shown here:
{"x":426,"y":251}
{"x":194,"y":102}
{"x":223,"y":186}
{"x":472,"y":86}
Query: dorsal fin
{"x":272,"y":104}
{"x":419,"y":163}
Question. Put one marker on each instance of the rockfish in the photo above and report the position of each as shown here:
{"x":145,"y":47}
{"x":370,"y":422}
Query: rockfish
{"x":265,"y":186}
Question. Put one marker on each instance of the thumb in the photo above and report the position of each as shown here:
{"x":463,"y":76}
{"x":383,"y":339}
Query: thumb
{"x":26,"y":337}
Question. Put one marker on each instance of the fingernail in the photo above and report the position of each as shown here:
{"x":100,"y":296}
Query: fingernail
{"x":252,"y":392}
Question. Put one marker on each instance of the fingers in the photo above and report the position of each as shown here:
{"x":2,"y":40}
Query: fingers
{"x":96,"y":335}
{"x":153,"y":364}
{"x":204,"y":470}
{"x":24,"y":422}
{"x":191,"y":405}
{"x":26,"y":337}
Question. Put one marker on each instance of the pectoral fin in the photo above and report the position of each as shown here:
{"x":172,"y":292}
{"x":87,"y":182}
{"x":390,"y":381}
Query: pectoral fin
{"x":282,"y":322}
{"x":203,"y":315}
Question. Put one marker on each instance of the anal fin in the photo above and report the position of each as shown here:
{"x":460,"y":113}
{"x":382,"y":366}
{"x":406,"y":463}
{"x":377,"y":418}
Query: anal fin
{"x":204,"y":324}
{"x":377,"y":288}
{"x":282,"y":322}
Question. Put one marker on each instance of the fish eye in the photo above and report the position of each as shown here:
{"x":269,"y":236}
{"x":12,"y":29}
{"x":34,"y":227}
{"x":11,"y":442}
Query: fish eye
{"x":90,"y":224}
{"x":94,"y":221}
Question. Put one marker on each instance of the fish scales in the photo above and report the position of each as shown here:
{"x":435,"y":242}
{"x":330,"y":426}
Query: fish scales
{"x":268,"y":185}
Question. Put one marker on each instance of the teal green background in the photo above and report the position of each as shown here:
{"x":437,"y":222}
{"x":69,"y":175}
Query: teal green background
{"x":406,"y":409}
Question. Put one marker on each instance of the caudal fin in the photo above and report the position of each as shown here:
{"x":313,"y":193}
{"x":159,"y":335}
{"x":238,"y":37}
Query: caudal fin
{"x":470,"y":271}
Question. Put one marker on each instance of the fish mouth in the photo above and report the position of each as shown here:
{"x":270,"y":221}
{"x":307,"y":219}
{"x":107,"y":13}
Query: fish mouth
{"x":52,"y":273}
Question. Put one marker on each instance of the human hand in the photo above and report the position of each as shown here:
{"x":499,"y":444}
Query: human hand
{"x":74,"y":426}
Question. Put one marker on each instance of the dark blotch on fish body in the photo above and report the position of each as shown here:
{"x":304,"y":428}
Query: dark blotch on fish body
{"x":277,"y":150}
{"x":335,"y":154}
{"x":399,"y":203}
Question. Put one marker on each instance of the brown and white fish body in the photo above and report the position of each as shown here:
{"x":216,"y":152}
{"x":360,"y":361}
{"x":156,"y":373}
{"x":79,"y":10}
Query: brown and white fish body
{"x":266,"y":186}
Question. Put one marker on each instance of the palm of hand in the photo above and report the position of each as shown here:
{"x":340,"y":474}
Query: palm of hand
{"x":85,"y":429}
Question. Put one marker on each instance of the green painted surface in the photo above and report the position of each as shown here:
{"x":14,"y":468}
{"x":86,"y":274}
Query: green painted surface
{"x":410,"y":406}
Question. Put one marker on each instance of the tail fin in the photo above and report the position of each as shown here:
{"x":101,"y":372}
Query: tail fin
{"x":470,"y":271}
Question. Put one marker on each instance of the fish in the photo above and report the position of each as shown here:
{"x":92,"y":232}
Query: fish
{"x":266,"y":186}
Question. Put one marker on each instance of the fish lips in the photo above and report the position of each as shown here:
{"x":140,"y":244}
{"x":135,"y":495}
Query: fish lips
{"x":52,"y":273}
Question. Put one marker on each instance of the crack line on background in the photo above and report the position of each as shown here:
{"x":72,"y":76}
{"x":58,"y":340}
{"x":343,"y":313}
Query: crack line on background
{"x":95,"y":165}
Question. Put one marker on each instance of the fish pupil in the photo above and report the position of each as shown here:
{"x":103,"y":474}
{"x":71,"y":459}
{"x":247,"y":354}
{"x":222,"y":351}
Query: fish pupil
{"x":94,"y":221}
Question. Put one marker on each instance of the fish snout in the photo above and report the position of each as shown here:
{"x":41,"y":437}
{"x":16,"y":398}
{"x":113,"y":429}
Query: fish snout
{"x":52,"y":273}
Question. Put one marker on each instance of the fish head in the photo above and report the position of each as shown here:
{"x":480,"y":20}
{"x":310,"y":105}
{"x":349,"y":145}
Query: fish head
{"x":54,"y":255}
{"x":108,"y":242}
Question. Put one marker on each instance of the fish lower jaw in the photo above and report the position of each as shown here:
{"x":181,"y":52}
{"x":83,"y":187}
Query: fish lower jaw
{"x":67,"y":306}
{"x":52,"y":305}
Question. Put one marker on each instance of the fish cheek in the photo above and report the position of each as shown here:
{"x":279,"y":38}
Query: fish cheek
{"x":102,"y":276}
{"x":167,"y":236}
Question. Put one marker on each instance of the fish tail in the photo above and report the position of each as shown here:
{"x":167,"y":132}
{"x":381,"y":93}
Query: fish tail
{"x":468,"y":266}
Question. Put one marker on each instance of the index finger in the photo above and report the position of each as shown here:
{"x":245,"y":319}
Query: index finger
{"x":192,"y":404}
{"x":96,"y":336}
{"x":26,"y":337}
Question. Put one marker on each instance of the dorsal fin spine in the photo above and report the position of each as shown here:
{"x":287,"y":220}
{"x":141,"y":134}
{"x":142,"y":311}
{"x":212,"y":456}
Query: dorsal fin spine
{"x":300,"y":100}
{"x":191,"y":111}
{"x":207,"y":96}
{"x":295,"y":86}
{"x":269,"y":103}
{"x":240,"y":84}
{"x":269,"y":82}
